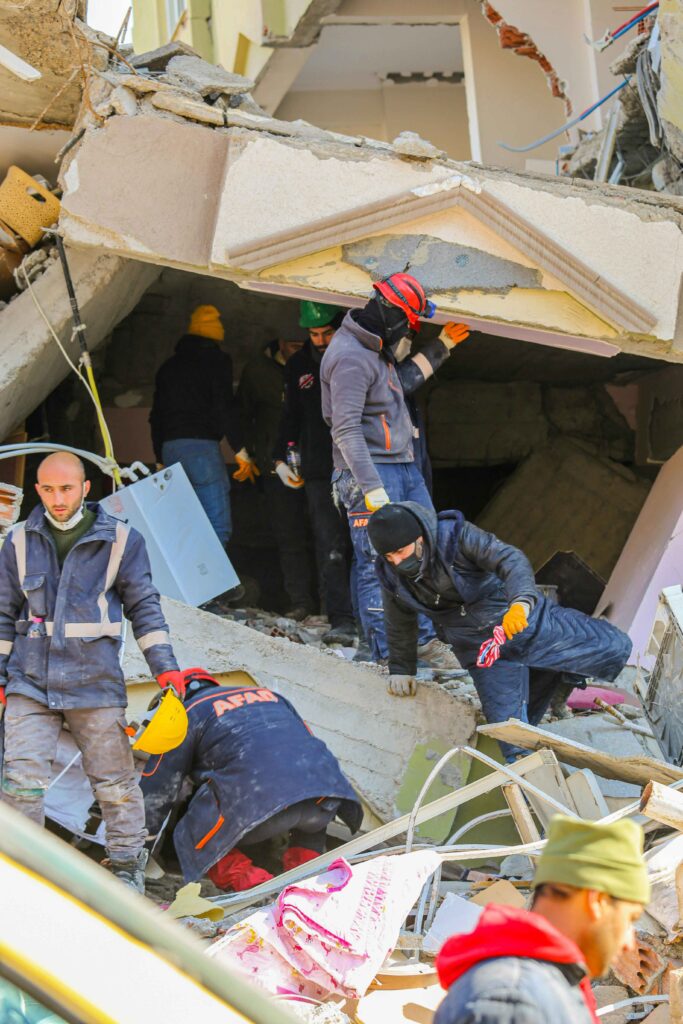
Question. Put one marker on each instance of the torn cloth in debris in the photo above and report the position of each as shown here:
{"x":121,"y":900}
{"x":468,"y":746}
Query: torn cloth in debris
{"x":331,"y":933}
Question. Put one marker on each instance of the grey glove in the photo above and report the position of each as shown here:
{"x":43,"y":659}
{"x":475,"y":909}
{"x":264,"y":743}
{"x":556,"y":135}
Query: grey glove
{"x":402,"y":686}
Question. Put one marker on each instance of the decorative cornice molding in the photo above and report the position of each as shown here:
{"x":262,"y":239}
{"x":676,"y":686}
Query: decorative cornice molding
{"x":594,"y":291}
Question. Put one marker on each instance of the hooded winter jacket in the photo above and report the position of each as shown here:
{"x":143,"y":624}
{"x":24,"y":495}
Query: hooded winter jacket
{"x":363,"y":400}
{"x":105,"y":576}
{"x":514,"y":968}
{"x":193,"y":396}
{"x":468,"y":577}
{"x":249,"y":755}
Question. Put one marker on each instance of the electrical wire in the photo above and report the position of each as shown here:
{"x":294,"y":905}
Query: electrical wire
{"x":89,"y":384}
{"x":568,"y":125}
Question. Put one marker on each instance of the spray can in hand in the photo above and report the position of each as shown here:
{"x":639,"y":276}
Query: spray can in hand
{"x":294,"y":458}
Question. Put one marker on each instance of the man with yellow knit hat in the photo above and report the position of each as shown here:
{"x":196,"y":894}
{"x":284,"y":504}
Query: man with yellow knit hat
{"x":193,"y":409}
{"x":535,"y":966}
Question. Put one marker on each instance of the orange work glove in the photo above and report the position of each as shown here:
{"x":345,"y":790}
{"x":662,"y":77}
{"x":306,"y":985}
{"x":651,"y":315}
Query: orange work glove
{"x":514,"y":620}
{"x":453,"y":334}
{"x":246,"y":467}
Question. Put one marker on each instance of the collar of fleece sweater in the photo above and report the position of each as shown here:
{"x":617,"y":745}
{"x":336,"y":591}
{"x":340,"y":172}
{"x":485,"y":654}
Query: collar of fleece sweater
{"x":507,"y":931}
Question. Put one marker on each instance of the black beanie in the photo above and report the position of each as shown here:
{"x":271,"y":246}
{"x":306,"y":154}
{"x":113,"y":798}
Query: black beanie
{"x":392,"y":527}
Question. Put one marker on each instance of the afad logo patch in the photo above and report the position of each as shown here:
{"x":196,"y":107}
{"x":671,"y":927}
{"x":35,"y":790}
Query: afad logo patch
{"x":359,"y":524}
{"x":239,"y":700}
{"x":306,"y":381}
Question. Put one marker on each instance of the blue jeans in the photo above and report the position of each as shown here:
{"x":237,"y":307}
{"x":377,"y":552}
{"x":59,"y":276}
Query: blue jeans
{"x":403,"y":482}
{"x":207,"y":472}
{"x":557,"y":638}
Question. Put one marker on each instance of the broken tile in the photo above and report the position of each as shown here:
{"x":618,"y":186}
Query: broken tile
{"x":204,"y":78}
{"x":638,"y":968}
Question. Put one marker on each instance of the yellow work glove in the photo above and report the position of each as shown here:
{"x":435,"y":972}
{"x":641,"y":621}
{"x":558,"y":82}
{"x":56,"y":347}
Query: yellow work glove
{"x":453,"y":334}
{"x":246,"y":467}
{"x":375,"y":499}
{"x":514,"y":620}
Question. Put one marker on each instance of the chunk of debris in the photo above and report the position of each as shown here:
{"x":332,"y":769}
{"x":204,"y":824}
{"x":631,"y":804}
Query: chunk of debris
{"x":565,"y":497}
{"x":206,"y":79}
{"x":157,"y":60}
{"x":412,"y":144}
{"x":176,"y":103}
{"x":123,"y":101}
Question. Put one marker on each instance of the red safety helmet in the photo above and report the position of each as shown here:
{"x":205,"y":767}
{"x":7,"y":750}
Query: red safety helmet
{"x":406,"y":292}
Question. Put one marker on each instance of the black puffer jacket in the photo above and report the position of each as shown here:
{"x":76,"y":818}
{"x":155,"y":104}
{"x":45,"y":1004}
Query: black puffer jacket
{"x":469,"y":578}
{"x":193,"y":396}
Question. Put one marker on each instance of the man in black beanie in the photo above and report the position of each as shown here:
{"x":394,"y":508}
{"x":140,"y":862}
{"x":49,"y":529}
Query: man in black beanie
{"x":467,"y":582}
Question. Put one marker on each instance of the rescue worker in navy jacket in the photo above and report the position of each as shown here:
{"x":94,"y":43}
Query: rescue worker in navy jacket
{"x":258,"y":772}
{"x":68,"y":575}
{"x":468,"y":581}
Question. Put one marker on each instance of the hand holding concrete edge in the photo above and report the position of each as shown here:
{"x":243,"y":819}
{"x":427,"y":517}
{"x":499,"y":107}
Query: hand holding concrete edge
{"x":453,"y":334}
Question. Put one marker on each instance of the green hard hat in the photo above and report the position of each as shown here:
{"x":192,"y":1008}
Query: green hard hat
{"x":317,"y":314}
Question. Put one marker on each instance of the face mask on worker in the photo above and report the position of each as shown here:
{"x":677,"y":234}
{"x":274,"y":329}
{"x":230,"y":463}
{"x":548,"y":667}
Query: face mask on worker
{"x":70,"y":523}
{"x":401,"y":350}
{"x":385,"y":319}
{"x":411,"y":564}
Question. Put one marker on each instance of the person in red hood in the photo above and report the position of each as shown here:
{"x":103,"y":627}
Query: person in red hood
{"x":532,"y":967}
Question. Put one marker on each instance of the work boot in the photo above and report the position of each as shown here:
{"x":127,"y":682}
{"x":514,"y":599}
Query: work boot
{"x":238,"y":872}
{"x":131,"y":870}
{"x":438,"y":655}
{"x":344,"y":634}
{"x":297,"y":855}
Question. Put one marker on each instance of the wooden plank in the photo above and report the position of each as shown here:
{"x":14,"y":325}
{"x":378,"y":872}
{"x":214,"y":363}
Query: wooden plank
{"x":638,"y":770}
{"x":519,"y":808}
{"x":587,"y":795}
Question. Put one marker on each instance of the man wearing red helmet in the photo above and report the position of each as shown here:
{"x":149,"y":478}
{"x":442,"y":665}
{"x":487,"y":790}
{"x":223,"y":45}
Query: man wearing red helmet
{"x":363,"y":401}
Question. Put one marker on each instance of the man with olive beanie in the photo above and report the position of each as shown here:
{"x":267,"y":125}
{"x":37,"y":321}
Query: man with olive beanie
{"x":531,"y":967}
{"x":193,"y":409}
{"x":468,"y":582}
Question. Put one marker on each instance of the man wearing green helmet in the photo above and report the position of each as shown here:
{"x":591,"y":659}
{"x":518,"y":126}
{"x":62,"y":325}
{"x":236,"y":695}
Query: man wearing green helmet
{"x":302,"y":425}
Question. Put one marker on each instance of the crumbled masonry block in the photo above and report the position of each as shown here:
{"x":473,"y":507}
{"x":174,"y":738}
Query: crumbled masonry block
{"x":411,"y":144}
{"x":123,"y":101}
{"x":639,"y":968}
{"x":204,"y":78}
{"x":157,"y":60}
{"x":565,"y":498}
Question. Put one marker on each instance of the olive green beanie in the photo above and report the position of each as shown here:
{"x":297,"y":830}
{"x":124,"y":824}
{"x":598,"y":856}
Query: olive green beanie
{"x":587,"y":855}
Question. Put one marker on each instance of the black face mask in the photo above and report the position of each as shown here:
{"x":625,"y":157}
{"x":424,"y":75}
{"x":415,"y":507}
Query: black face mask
{"x":385,"y":320}
{"x":409,"y":567}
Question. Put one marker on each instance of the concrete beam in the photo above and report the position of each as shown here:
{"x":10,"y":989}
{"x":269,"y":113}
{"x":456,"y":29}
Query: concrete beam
{"x":31,"y":365}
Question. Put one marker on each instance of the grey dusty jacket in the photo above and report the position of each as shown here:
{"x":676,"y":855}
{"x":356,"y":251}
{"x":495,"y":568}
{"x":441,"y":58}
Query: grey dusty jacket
{"x":363,"y":400}
{"x":105,"y":576}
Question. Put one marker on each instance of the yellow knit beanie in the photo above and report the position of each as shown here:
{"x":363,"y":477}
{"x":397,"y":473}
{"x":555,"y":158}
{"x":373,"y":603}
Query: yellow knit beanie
{"x":206,"y":322}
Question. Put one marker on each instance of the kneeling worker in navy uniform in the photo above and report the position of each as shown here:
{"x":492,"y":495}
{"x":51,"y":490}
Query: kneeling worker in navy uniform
{"x":258,"y":772}
{"x":467,"y":582}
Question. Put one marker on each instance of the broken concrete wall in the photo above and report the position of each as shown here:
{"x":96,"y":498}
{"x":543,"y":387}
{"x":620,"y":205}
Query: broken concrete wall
{"x":347,"y":706}
{"x":659,"y":416}
{"x":31,"y":364}
{"x":565,"y":498}
{"x":481,"y":423}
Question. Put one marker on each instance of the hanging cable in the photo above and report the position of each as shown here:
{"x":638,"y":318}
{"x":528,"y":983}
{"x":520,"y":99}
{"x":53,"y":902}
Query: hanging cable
{"x":611,"y":35}
{"x":568,"y":125}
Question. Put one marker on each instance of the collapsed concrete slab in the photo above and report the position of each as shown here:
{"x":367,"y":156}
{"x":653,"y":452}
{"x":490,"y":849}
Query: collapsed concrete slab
{"x":346,"y":705}
{"x":284,"y":206}
{"x":31,"y":364}
{"x":565,"y":498}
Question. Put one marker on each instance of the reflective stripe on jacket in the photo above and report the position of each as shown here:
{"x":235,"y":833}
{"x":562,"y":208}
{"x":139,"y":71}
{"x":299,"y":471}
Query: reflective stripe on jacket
{"x":106,"y":575}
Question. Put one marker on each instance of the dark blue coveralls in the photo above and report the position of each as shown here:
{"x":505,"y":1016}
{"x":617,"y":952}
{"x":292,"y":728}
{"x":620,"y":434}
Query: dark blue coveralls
{"x":252,"y":760}
{"x":468,"y":580}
